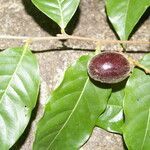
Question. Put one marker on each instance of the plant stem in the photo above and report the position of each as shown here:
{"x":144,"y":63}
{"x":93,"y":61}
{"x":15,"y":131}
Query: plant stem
{"x":136,"y":63}
{"x":65,"y":37}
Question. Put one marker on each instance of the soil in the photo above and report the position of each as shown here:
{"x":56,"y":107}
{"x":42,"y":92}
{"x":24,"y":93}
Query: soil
{"x":22,"y":18}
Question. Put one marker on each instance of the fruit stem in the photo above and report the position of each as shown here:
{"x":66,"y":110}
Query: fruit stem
{"x":27,"y":43}
{"x":136,"y":63}
{"x":98,"y":48}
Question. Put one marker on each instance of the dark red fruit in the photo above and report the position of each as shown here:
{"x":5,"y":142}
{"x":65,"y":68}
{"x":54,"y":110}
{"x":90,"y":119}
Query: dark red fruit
{"x":109,"y":67}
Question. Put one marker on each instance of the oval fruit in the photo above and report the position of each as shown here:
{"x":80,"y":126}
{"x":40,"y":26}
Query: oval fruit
{"x":109,"y":67}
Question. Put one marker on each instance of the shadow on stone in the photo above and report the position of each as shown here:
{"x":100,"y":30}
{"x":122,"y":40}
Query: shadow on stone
{"x":110,"y":25}
{"x":45,"y":22}
{"x":73,"y":22}
{"x":144,"y":17}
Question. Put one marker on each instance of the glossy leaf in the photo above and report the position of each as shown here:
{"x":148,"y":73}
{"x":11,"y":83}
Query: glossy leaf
{"x":137,"y":109}
{"x":60,"y":11}
{"x":124,"y":14}
{"x":19,"y":86}
{"x":112,"y":119}
{"x":73,"y":109}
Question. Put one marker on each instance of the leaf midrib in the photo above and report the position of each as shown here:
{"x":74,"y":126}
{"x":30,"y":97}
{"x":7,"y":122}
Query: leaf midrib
{"x":61,"y":14}
{"x":17,"y":66}
{"x":126,"y":18}
{"x":70,"y":114}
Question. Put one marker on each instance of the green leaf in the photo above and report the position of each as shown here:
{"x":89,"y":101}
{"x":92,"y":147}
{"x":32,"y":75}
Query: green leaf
{"x":60,"y":11}
{"x":72,"y":111}
{"x":136,"y":130}
{"x":19,"y":86}
{"x":112,"y":119}
{"x":124,"y":14}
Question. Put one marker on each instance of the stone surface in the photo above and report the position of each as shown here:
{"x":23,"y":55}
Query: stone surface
{"x":21,"y":18}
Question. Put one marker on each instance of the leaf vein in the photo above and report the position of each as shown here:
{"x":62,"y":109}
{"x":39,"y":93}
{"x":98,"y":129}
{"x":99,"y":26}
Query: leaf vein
{"x":70,"y":114}
{"x":17,"y":66}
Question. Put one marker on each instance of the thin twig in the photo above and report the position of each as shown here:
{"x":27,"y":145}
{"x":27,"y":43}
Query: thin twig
{"x":65,"y":37}
{"x":136,"y":63}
